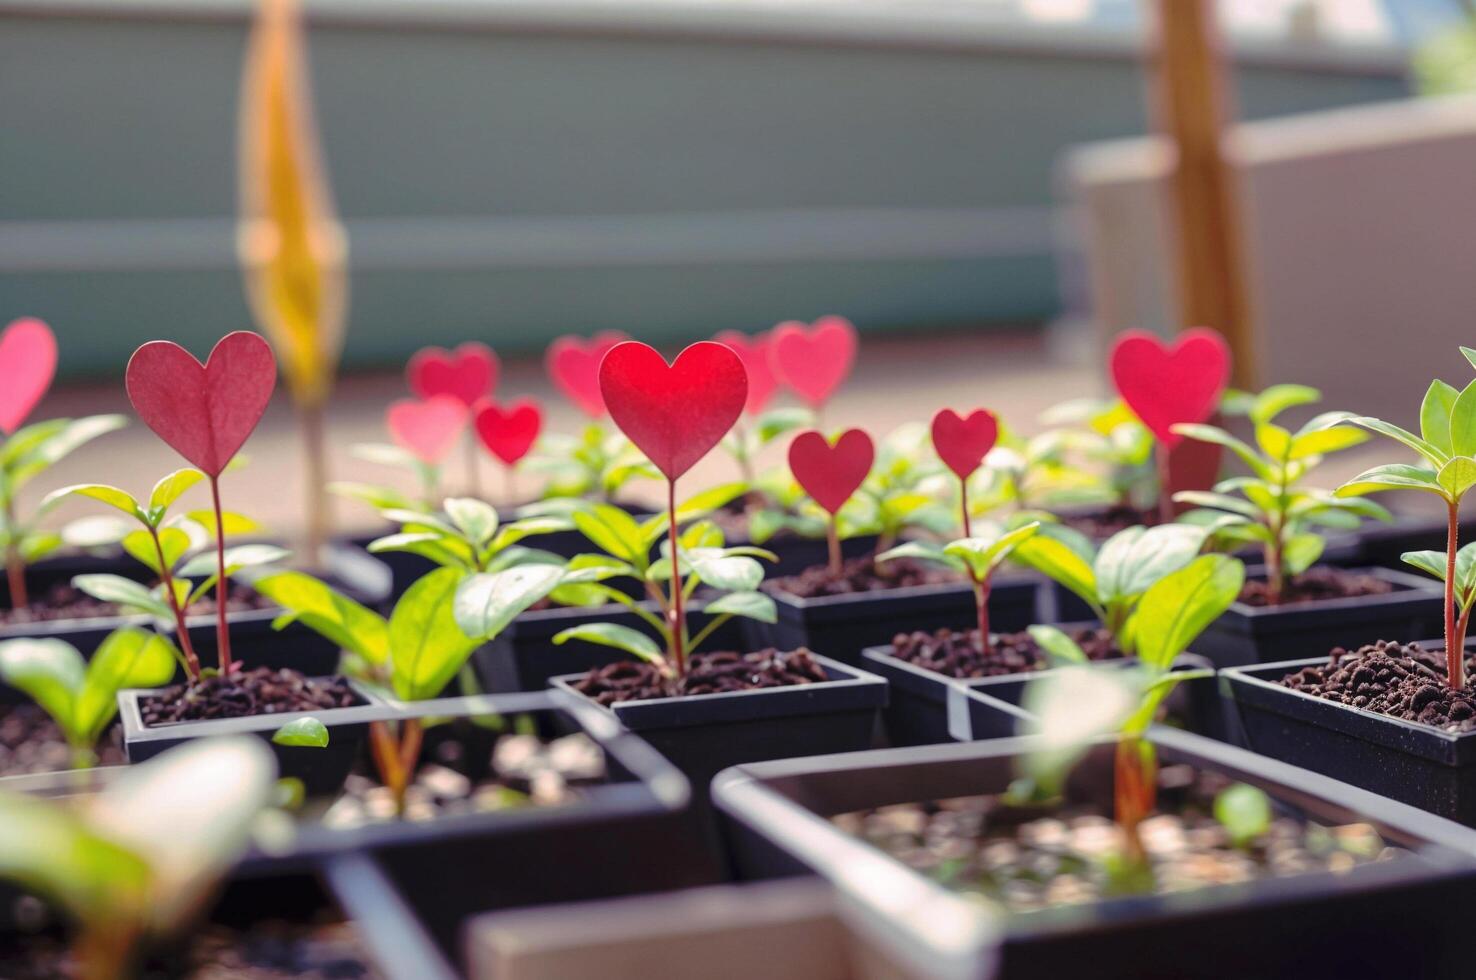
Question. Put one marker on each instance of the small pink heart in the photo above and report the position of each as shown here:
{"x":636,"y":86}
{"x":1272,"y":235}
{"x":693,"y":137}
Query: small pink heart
{"x":1166,"y":386}
{"x":27,"y":363}
{"x":962,"y":443}
{"x":429,"y":428}
{"x":468,"y":373}
{"x":754,"y":352}
{"x":508,"y":433}
{"x":674,"y":413}
{"x":814,"y":361}
{"x":574,"y":365}
{"x":204,"y":411}
{"x":831,"y":474}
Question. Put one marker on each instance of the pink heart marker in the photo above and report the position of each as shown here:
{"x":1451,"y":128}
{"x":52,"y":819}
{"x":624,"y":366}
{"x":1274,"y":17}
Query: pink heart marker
{"x":468,"y":373}
{"x":674,"y":413}
{"x":429,"y":428}
{"x":508,"y":433}
{"x":204,"y":411}
{"x":962,"y":443}
{"x":28,"y":364}
{"x":814,"y":361}
{"x":574,"y":365}
{"x":1166,"y":386}
{"x":754,"y":352}
{"x":831,"y":474}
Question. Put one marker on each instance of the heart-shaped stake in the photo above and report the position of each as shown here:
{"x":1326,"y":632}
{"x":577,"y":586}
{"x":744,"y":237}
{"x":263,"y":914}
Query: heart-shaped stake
{"x":574,"y":365}
{"x":962,"y":444}
{"x":27,"y":366}
{"x":815,"y":360}
{"x":830,"y":474}
{"x":468,"y":374}
{"x":428,"y":429}
{"x":508,"y":433}
{"x":205,"y":412}
{"x":755,"y":353}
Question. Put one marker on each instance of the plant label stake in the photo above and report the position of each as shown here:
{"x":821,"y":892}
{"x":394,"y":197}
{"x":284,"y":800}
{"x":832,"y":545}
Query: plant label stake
{"x":815,"y":360}
{"x":27,"y":365}
{"x":508,"y":433}
{"x":962,"y":444}
{"x":468,"y":374}
{"x":830,"y":474}
{"x":428,"y":430}
{"x":573,"y":364}
{"x":755,"y":352}
{"x":674,"y":413}
{"x":1167,"y":386}
{"x":205,"y":412}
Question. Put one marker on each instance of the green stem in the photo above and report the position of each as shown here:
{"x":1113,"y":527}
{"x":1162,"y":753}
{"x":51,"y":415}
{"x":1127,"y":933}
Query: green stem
{"x":1455,"y":640}
{"x":707,"y":630}
{"x":192,"y":662}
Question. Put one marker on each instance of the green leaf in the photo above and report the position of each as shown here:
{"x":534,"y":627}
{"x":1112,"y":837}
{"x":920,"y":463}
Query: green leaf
{"x":1301,"y":552}
{"x":1133,"y":559}
{"x":1392,"y":476}
{"x":1057,"y":553}
{"x":96,"y":531}
{"x":118,"y":499}
{"x":49,"y":671}
{"x":169,"y":489}
{"x":234,"y":524}
{"x":328,"y":613}
{"x":1219,"y":501}
{"x":750,"y":605}
{"x":1435,"y":414}
{"x":474,"y":518}
{"x":236,"y":558}
{"x":720,"y":571}
{"x":704,"y":503}
{"x":1278,"y":398}
{"x":428,"y":647}
{"x":1274,"y":441}
{"x":983,"y":553}
{"x":124,"y":592}
{"x":615,"y":635}
{"x":1463,"y":422}
{"x":127,"y":658}
{"x":1470,"y":355}
{"x":428,"y":544}
{"x":308,"y":732}
{"x":1244,"y":812}
{"x":1178,"y":607}
{"x":923,"y":551}
{"x":37,"y":545}
{"x":1428,"y":450}
{"x":73,"y":435}
{"x":613,"y":531}
{"x":1067,"y":709}
{"x":1059,"y":648}
{"x":486,"y":603}
{"x":1326,"y":441}
{"x":1458,"y":475}
{"x":777,"y":421}
{"x":1219,"y":437}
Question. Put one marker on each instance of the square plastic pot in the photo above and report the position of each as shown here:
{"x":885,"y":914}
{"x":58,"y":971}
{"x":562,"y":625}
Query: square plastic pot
{"x":1397,"y":918}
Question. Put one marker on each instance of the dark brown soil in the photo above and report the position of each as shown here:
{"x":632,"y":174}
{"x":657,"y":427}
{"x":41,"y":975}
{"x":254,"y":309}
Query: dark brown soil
{"x":1399,"y":680}
{"x":709,"y":673}
{"x":262,"y":691}
{"x":31,"y":742}
{"x":955,"y":654}
{"x":62,"y":601}
{"x":1101,"y":523}
{"x":862,"y":575}
{"x":1317,"y":585}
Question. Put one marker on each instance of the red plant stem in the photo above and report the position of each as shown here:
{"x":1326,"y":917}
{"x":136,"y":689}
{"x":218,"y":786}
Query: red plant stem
{"x":222,"y":630}
{"x":832,"y":541}
{"x":15,"y":568}
{"x":510,"y":483}
{"x":675,"y":616}
{"x":963,"y":497}
{"x":1165,"y":485}
{"x":1455,"y":639}
{"x":1134,"y":794}
{"x":473,"y":480}
{"x":167,"y":577}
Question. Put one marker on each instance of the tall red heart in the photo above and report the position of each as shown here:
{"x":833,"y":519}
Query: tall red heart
{"x":468,"y":373}
{"x":1165,"y":386}
{"x":815,"y":360}
{"x":574,"y":365}
{"x":508,"y":433}
{"x":754,"y":353}
{"x":963,"y":443}
{"x":27,"y":363}
{"x":830,"y":474}
{"x":674,"y":413}
{"x":429,"y":428}
{"x":204,"y":411}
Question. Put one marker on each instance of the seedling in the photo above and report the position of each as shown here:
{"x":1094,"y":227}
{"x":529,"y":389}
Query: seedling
{"x":468,"y":536}
{"x":469,"y":374}
{"x":1108,"y":435}
{"x":1036,"y":473}
{"x":1447,"y":443}
{"x":1274,"y":510}
{"x":82,"y":696}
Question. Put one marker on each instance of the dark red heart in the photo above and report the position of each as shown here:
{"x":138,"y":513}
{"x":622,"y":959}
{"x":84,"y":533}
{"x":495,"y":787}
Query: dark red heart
{"x":1167,"y":386}
{"x":27,"y":363}
{"x":574,"y":365}
{"x":508,"y":433}
{"x":831,"y":474}
{"x":468,"y":373}
{"x":429,"y":428}
{"x":754,"y":352}
{"x":674,"y":413}
{"x":963,"y":443}
{"x":814,"y":361}
{"x":204,"y":411}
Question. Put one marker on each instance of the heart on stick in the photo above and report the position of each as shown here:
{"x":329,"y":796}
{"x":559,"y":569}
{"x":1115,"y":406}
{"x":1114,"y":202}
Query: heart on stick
{"x":754,"y":353}
{"x":508,"y":433}
{"x":428,"y":428}
{"x":814,"y":360}
{"x":962,"y":443}
{"x":1167,"y":386}
{"x":205,"y":412}
{"x":674,"y":413}
{"x":831,"y":474}
{"x":574,"y":365}
{"x":27,"y":363}
{"x":469,"y":373}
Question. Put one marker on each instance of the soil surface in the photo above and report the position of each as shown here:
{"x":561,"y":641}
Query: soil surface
{"x":1027,"y":860}
{"x":1399,"y":680}
{"x":862,"y":575}
{"x":709,"y":673}
{"x":31,"y":742}
{"x":1316,"y":585}
{"x":956,"y":654}
{"x":62,"y":601}
{"x":261,"y":691}
{"x":1101,"y":523}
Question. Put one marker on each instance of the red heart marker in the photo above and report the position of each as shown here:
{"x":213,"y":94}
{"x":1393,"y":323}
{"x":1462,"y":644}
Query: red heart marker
{"x":815,"y":360}
{"x":508,"y":433}
{"x":574,"y":365}
{"x":429,"y":428}
{"x":27,"y":363}
{"x":674,"y":413}
{"x":204,"y":411}
{"x":468,"y":373}
{"x":1166,"y":386}
{"x":754,"y":352}
{"x":830,"y":474}
{"x":963,"y":443}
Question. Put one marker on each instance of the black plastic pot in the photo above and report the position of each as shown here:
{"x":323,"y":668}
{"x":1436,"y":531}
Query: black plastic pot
{"x":1250,"y":634}
{"x":840,"y":627}
{"x":797,"y":554}
{"x":1357,"y":924}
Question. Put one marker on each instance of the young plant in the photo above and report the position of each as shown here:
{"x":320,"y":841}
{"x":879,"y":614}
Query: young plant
{"x":135,"y":863}
{"x":1274,"y":510}
{"x":1112,"y":440}
{"x":81,"y":696}
{"x":467,"y":535}
{"x":1447,"y":446}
